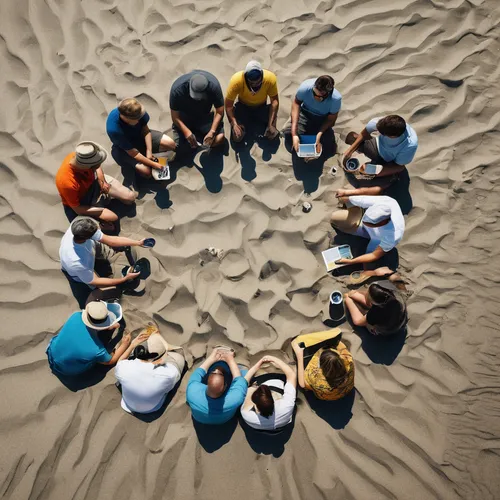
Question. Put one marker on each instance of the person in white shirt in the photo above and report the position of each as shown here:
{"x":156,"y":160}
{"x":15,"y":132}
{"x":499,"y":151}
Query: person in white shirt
{"x":270,"y":405}
{"x":147,"y":371}
{"x":382,"y":223}
{"x":394,"y":147}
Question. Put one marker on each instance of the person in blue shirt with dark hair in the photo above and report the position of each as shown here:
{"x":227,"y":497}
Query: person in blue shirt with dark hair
{"x":314,"y":112}
{"x":213,"y":397}
{"x":134,"y":144}
{"x":394,"y":147}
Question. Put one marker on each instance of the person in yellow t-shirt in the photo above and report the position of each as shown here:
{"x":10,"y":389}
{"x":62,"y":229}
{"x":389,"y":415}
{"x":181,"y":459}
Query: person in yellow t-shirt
{"x":252,"y":88}
{"x":329,"y":374}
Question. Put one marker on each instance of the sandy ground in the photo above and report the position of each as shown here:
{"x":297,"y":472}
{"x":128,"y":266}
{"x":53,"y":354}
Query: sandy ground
{"x":424,"y":421}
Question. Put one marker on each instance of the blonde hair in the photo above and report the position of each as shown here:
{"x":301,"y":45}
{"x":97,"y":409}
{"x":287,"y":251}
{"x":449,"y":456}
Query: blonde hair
{"x":131,"y":108}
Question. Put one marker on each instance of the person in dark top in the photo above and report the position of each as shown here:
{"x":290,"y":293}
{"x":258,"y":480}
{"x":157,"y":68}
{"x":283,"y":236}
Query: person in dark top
{"x":385,"y":310}
{"x":192,"y":97}
{"x":134,"y":144}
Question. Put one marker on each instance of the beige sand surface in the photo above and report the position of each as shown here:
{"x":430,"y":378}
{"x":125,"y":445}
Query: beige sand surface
{"x":426,"y":426}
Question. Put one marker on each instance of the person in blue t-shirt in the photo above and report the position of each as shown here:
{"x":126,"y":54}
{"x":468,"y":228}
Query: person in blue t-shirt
{"x":134,"y":144}
{"x":77,"y":347}
{"x":213,"y":397}
{"x":314,"y":112}
{"x":393,"y":148}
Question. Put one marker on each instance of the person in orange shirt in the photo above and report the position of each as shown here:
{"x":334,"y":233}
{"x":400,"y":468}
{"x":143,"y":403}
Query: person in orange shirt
{"x":84,"y":187}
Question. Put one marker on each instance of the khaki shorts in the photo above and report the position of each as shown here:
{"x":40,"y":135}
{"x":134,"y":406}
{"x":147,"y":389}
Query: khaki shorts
{"x":177,"y":359}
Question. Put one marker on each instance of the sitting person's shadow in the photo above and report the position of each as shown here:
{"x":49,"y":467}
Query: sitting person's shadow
{"x":214,"y":437}
{"x":335,"y":413}
{"x":254,"y":134}
{"x":309,"y":172}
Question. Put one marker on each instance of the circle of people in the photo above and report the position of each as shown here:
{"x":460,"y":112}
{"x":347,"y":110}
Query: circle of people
{"x":148,"y":367}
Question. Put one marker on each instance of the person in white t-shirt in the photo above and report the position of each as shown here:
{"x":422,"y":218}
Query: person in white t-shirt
{"x":147,"y":371}
{"x":270,"y":405}
{"x":382,"y":223}
{"x":78,"y":252}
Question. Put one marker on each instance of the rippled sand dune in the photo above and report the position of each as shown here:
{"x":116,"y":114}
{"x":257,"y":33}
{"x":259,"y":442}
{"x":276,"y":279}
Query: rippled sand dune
{"x":424,"y":423}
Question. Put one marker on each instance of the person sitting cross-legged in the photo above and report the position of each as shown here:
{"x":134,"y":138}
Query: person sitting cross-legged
{"x":84,"y":188}
{"x":134,"y":143}
{"x":382,"y":223}
{"x":77,"y":347}
{"x":394,"y":148}
{"x":79,"y":246}
{"x":270,"y":405}
{"x":147,"y":371}
{"x":217,"y":388}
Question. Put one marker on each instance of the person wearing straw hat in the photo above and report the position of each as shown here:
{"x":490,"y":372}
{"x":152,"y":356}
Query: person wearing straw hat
{"x":83,"y":186}
{"x":79,"y":246}
{"x":77,"y":347}
{"x":134,"y":143}
{"x":147,"y":371}
{"x":382,"y":222}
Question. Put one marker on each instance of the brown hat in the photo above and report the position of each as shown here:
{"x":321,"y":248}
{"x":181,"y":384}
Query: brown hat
{"x":89,"y":154}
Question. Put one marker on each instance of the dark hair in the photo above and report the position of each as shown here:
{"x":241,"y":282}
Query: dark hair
{"x":380,"y":296}
{"x":141,"y":352}
{"x":325,"y":83}
{"x":263,"y":399}
{"x":333,"y":367}
{"x":392,"y":125}
{"x":84,"y":228}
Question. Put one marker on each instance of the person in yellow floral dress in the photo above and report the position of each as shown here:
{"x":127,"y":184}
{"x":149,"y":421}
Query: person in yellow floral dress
{"x":329,"y":373}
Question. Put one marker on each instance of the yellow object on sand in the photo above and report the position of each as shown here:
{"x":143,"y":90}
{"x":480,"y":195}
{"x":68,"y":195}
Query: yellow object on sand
{"x":311,"y":339}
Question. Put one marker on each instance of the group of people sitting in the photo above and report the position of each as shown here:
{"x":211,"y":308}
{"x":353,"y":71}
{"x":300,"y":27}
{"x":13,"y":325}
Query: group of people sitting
{"x":197,"y":107}
{"x":147,"y":367}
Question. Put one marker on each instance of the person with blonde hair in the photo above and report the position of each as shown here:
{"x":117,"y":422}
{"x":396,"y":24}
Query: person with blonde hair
{"x":83,"y":186}
{"x":134,"y":143}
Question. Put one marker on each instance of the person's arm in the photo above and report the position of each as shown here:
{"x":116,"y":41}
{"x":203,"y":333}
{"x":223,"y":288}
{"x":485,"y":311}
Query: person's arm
{"x":140,"y":158}
{"x":358,"y":318}
{"x":120,"y":241}
{"x":117,"y":353}
{"x":362,"y":137}
{"x":186,"y":132}
{"x":253,"y":370}
{"x":295,"y":123}
{"x":328,"y":123}
{"x":142,"y":337}
{"x":299,"y":354}
{"x":273,"y":111}
{"x":233,"y":366}
{"x":291,"y":376}
{"x":214,"y":356}
{"x":364,"y":191}
{"x":101,"y":282}
{"x":148,"y":139}
{"x":229,"y":105}
{"x":102,"y":180}
{"x":377,"y":254}
{"x":218,"y":115}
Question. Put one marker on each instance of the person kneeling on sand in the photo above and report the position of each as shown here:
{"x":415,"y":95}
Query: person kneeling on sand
{"x":77,"y":347}
{"x":394,"y":148}
{"x":213,"y":397}
{"x":380,"y":308}
{"x":314,"y":112}
{"x":134,"y":144}
{"x":79,"y":246}
{"x":252,"y":87}
{"x":382,"y":223}
{"x":329,"y":373}
{"x":147,"y":371}
{"x":270,"y":405}
{"x":84,"y":187}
